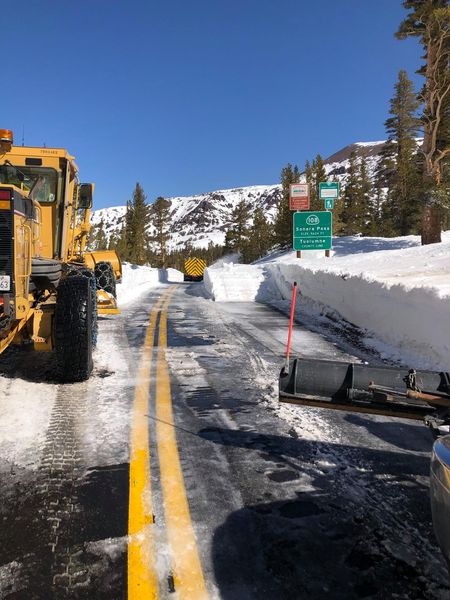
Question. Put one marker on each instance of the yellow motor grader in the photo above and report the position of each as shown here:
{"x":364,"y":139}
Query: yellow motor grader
{"x":51,"y":287}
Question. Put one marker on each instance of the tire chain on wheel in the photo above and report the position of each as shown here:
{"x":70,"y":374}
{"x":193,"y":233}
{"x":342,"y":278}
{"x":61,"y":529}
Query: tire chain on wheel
{"x":73,"y":329}
{"x":104,"y":274}
{"x":80,"y":271}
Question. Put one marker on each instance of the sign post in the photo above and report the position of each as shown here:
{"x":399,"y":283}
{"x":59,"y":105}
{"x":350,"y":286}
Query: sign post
{"x":299,"y":196}
{"x":312,"y":230}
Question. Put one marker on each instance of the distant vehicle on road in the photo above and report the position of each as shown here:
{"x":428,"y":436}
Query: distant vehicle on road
{"x":194,"y":269}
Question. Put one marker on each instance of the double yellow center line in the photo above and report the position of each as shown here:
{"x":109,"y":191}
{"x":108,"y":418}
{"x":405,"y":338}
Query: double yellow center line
{"x":143,"y":579}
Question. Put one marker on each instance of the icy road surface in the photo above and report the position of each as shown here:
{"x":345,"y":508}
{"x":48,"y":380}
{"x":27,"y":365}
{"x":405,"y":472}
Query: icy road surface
{"x":231,"y":496}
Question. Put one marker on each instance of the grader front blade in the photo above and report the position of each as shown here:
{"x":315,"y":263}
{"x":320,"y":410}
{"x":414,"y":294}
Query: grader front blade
{"x":353,"y":387}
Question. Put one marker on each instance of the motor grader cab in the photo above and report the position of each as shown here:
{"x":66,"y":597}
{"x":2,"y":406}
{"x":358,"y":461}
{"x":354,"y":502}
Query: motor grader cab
{"x":51,"y":287}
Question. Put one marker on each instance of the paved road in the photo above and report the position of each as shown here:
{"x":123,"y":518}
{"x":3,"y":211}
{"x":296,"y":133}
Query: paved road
{"x":174,"y":473}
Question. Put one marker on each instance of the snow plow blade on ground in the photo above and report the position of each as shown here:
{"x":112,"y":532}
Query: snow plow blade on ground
{"x":353,"y":387}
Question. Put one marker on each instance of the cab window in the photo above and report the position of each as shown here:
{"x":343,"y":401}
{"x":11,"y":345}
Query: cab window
{"x":25,"y":177}
{"x":46,"y":192}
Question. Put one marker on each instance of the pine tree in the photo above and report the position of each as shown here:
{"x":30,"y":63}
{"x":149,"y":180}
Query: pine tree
{"x":119,"y":244}
{"x":141,"y":219}
{"x":135,"y":230}
{"x":337,"y":212}
{"x":356,"y":211}
{"x":381,"y":213}
{"x":400,"y":154}
{"x":159,"y":214}
{"x":238,"y":231}
{"x":350,"y":213}
{"x":260,"y":238}
{"x":364,"y":197}
{"x":377,"y":225}
{"x":318,"y":175}
{"x":283,"y":221}
{"x":228,"y":244}
{"x":429,"y":20}
{"x":308,"y":173}
{"x":128,"y":232}
{"x":100,"y":239}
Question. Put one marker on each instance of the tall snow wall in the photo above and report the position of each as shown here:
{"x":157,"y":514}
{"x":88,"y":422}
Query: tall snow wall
{"x":416,"y":321}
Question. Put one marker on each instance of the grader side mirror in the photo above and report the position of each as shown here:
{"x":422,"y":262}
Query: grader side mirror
{"x":85,"y":196}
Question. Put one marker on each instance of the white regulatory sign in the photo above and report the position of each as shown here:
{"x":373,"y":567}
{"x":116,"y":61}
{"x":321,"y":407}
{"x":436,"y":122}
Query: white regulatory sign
{"x":5,"y":283}
{"x":331,"y":193}
{"x":299,"y":190}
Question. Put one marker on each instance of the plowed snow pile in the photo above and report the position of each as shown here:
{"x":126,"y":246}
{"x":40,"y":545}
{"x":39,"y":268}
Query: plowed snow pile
{"x":394,"y":289}
{"x":137,"y":280}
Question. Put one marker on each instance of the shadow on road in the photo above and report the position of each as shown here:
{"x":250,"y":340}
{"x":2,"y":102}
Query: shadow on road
{"x":399,"y":434}
{"x":27,"y":364}
{"x":359,"y":526}
{"x":196,"y":289}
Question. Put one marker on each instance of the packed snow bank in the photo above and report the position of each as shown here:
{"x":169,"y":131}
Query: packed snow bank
{"x":174,"y":276}
{"x":395,"y":289}
{"x":233,"y":282}
{"x":226,"y":260}
{"x":137,"y":280}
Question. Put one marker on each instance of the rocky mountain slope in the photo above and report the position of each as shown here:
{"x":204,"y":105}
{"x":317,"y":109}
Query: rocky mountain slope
{"x":203,"y":219}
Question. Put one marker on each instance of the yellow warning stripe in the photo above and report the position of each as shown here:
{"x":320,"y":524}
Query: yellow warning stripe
{"x":187,"y":570}
{"x":194,"y":266}
{"x":195,"y":261}
{"x":142,"y":576}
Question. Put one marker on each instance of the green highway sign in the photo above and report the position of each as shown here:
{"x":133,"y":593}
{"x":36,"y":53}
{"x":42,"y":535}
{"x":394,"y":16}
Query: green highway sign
{"x":329,"y":190}
{"x":312,"y":230}
{"x":329,"y":203}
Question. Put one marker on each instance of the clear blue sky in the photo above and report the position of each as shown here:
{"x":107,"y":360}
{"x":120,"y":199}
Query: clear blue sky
{"x":187,"y":96}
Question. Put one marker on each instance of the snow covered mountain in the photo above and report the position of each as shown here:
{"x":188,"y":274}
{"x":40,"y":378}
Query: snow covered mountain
{"x":204,"y":218}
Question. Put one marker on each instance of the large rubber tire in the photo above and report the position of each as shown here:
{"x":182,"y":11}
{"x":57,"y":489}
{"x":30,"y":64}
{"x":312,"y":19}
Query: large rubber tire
{"x":45,"y":273}
{"x":79,"y":271}
{"x":73,"y":329}
{"x":106,"y":280}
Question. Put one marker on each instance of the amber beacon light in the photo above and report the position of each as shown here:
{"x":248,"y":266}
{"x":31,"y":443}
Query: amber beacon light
{"x":6,"y":139}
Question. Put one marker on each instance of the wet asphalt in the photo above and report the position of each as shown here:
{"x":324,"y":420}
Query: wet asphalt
{"x":277,"y":513}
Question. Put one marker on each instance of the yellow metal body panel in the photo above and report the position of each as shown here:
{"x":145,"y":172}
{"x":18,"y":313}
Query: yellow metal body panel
{"x":64,"y":228}
{"x":108,"y":311}
{"x":42,"y":328}
{"x":111,"y":256}
{"x":23,"y":237}
{"x":106,"y":304}
{"x":52,"y":158}
{"x":14,"y":334}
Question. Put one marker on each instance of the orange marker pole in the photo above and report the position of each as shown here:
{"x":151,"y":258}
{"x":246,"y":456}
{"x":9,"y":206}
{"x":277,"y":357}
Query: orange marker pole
{"x":291,"y":326}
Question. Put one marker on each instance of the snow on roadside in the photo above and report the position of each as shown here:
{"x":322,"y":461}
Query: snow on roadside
{"x":174,"y":276}
{"x":236,"y":283}
{"x":136,"y":280}
{"x":395,"y":289}
{"x":24,"y":419}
